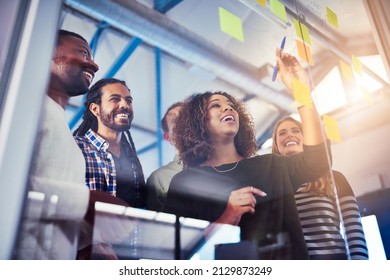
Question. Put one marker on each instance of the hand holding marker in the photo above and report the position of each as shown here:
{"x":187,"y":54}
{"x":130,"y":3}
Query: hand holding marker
{"x":276,"y":68}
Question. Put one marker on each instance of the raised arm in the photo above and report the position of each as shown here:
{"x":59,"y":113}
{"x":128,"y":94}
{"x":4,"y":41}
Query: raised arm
{"x":290,"y":68}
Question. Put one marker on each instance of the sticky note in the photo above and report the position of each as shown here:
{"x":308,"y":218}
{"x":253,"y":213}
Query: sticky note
{"x":231,"y":24}
{"x":278,"y":9}
{"x":262,"y":2}
{"x":331,"y":128}
{"x":301,"y":93}
{"x":346,"y":71}
{"x":304,"y":52}
{"x":302,"y":31}
{"x":332,"y":18}
{"x":357,"y":65}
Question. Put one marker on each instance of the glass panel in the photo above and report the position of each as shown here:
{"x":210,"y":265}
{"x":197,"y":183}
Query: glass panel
{"x":36,"y":231}
{"x":130,"y":233}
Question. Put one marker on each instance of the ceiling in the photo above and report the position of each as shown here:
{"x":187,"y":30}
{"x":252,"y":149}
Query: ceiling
{"x":167,"y":50}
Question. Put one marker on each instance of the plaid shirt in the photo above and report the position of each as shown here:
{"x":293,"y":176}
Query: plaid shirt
{"x":100,"y":165}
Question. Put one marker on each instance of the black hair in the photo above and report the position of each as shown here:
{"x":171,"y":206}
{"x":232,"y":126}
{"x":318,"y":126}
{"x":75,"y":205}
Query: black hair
{"x":94,"y":95}
{"x":63,"y":33}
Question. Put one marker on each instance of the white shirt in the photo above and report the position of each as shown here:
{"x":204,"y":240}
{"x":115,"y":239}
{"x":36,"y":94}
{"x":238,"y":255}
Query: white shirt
{"x":58,"y":168}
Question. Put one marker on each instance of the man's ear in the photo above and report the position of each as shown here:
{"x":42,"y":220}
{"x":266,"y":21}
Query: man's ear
{"x":94,"y":108}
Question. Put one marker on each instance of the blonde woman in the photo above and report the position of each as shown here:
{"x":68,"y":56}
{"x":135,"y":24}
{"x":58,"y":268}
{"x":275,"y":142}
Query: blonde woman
{"x":317,"y":204}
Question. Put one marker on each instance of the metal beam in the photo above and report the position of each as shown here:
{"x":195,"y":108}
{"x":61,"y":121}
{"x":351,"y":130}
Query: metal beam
{"x":378,"y":13}
{"x":158,"y":104}
{"x":164,"y":6}
{"x":155,"y":29}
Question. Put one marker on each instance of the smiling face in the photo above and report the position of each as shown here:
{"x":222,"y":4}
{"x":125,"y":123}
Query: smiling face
{"x":116,"y":109}
{"x":73,"y":68}
{"x":289,"y":138}
{"x":223,"y":120}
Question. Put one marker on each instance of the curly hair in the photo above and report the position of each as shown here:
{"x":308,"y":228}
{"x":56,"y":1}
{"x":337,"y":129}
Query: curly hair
{"x":192,"y":138}
{"x":323,"y":186}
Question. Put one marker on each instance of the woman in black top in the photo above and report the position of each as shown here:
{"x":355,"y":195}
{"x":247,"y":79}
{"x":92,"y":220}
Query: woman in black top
{"x":224,"y":181}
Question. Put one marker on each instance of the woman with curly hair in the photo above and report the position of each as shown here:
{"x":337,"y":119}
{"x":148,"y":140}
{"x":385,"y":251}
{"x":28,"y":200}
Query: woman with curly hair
{"x":320,"y":202}
{"x":225,"y":182}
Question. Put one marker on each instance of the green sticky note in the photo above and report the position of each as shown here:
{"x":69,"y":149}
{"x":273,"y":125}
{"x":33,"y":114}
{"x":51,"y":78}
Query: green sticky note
{"x":332,"y":18}
{"x":231,"y":24}
{"x":302,"y":31}
{"x":278,"y":9}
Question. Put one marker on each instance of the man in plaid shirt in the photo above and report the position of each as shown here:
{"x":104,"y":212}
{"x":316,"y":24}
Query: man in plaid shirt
{"x":112,"y":164}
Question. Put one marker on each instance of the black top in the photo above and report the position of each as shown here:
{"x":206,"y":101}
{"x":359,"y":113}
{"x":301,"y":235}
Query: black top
{"x":130,"y":182}
{"x":202,"y":193}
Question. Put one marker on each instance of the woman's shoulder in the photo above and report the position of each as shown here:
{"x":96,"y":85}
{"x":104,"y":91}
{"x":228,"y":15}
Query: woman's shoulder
{"x":339,"y":177}
{"x":342,"y":184}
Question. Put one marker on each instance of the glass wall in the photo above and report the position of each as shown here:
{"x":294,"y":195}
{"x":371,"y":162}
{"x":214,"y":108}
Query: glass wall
{"x":28,"y":31}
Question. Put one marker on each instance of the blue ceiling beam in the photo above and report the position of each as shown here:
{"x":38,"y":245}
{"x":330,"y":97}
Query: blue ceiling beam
{"x":95,"y":39}
{"x":147,"y":148}
{"x":157,"y":52}
{"x":164,"y":6}
{"x":133,"y":44}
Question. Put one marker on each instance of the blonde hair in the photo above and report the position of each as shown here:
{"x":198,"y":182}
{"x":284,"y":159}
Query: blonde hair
{"x":323,"y":186}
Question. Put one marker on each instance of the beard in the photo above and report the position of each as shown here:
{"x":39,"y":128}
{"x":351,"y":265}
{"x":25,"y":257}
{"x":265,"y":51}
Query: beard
{"x":69,"y":79}
{"x":108,"y":119}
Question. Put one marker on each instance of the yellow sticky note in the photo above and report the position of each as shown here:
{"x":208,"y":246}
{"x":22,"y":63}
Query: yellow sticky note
{"x":301,"y":93}
{"x":231,"y":24}
{"x":332,"y":18}
{"x":304,"y":52}
{"x":302,"y":31}
{"x":331,"y":128}
{"x":278,"y":9}
{"x":346,"y":71}
{"x":357,"y":65}
{"x":262,"y":2}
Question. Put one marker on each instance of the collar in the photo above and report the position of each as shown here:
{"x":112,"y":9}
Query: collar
{"x":176,"y":159}
{"x":96,"y":140}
